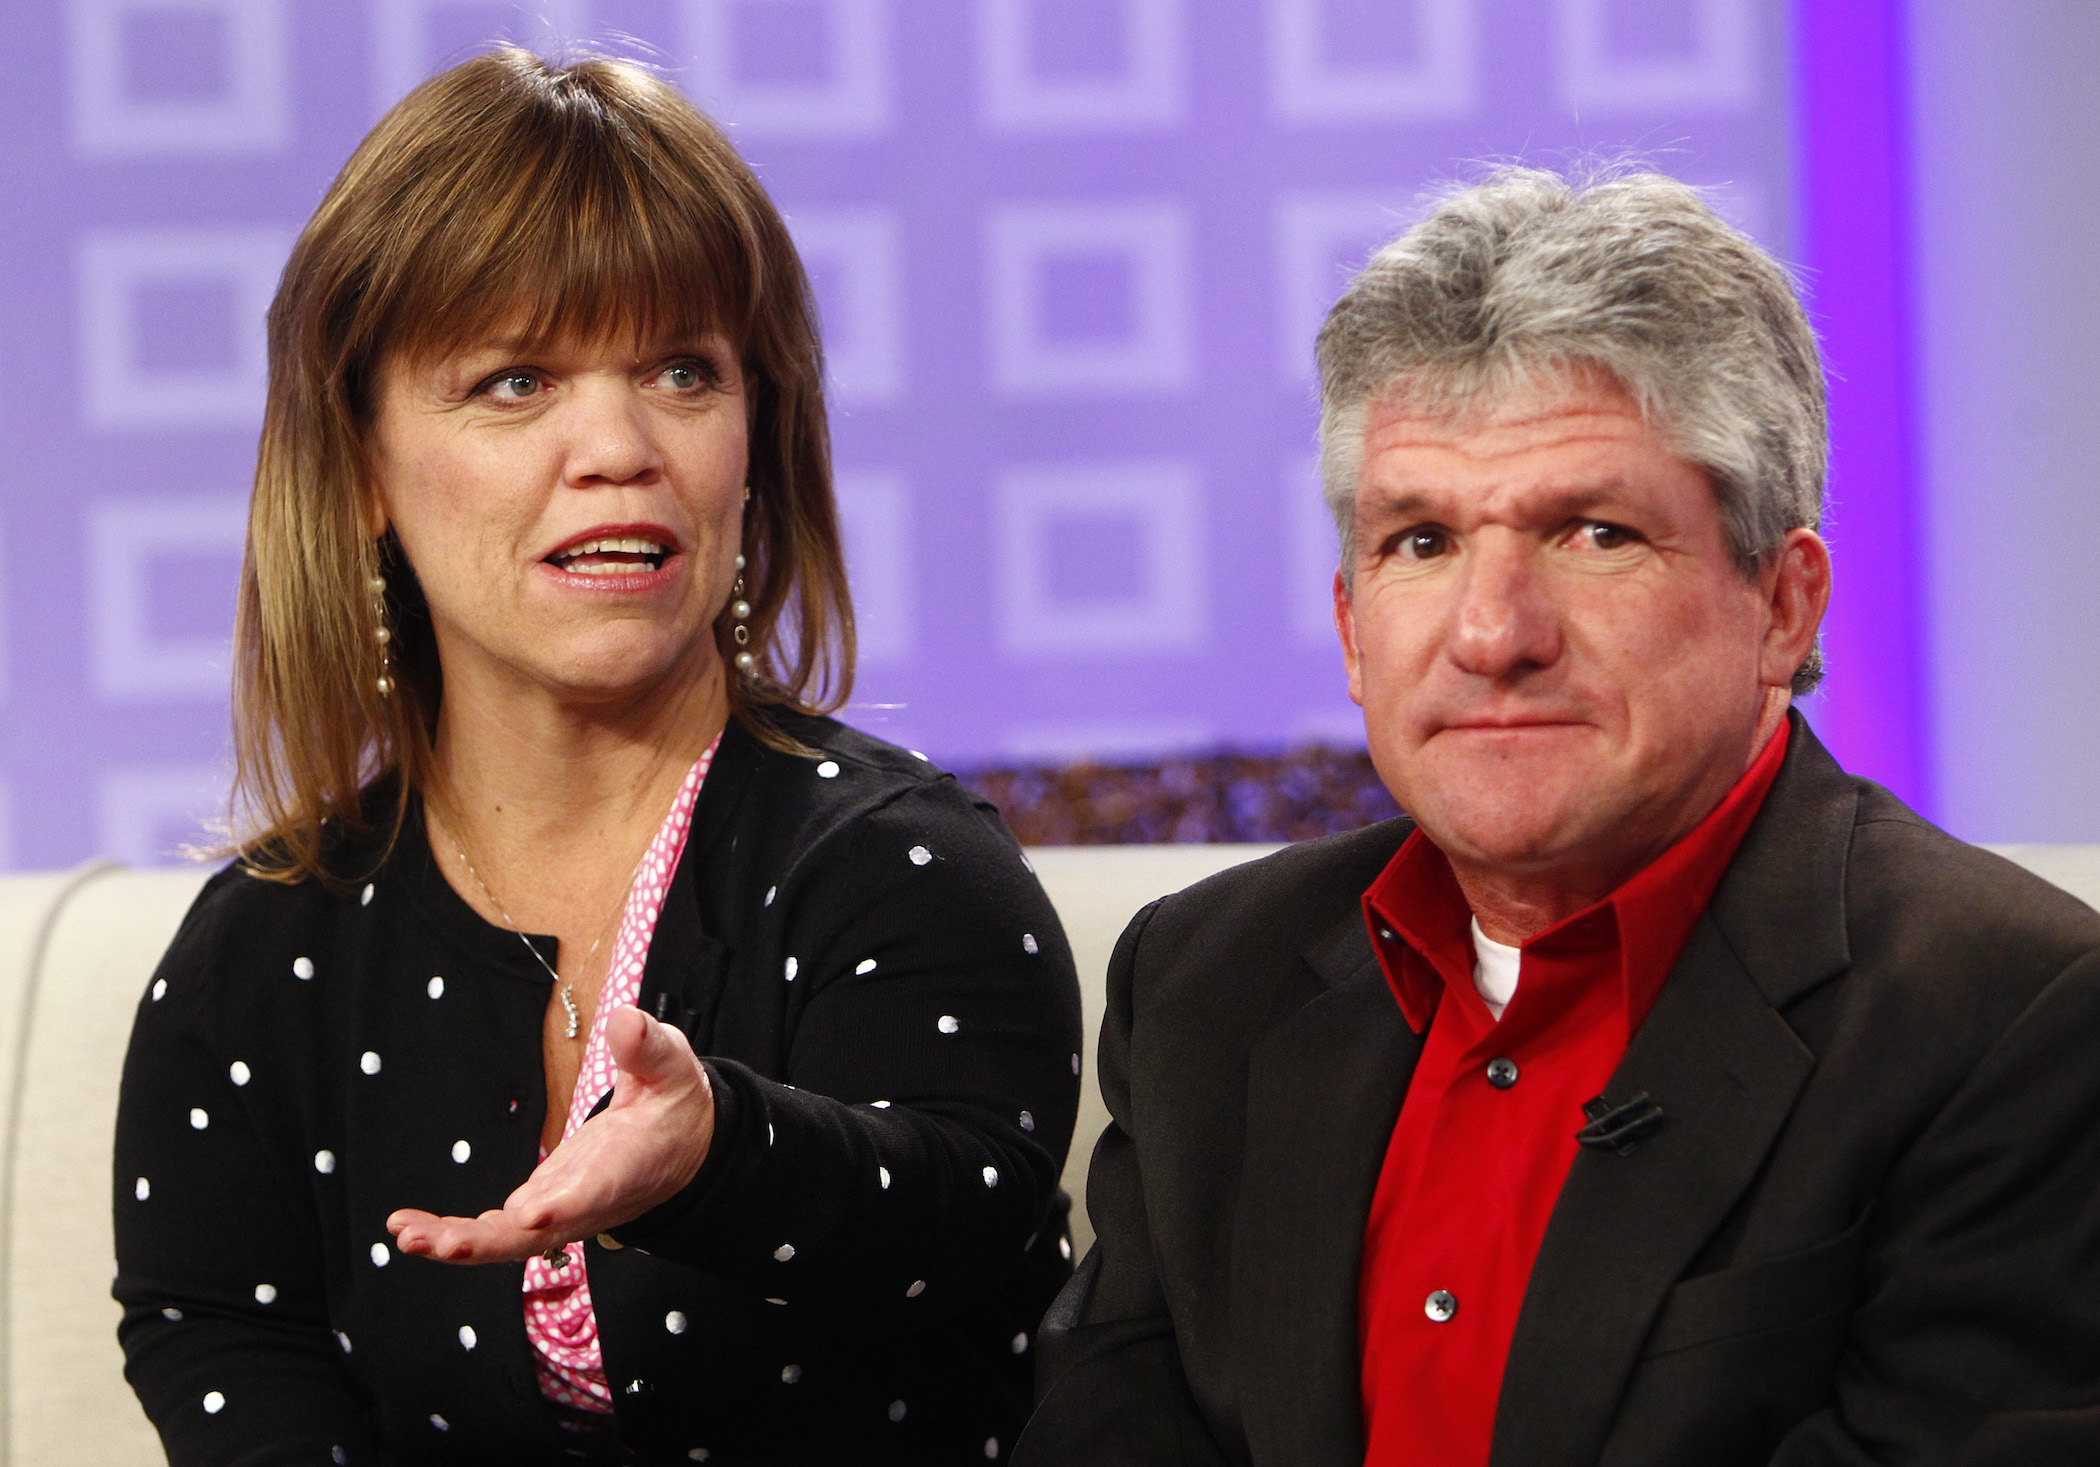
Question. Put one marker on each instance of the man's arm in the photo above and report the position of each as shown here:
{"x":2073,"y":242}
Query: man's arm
{"x":1110,"y":1390}
{"x":1977,"y":1339}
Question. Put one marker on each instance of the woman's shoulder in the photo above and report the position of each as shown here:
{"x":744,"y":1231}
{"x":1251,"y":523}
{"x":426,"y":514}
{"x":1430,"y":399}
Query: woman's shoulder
{"x":244,"y":916}
{"x":845,"y":783}
{"x":840,"y":768}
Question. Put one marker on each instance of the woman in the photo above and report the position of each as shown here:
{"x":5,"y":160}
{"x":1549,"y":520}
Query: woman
{"x":542,"y":595}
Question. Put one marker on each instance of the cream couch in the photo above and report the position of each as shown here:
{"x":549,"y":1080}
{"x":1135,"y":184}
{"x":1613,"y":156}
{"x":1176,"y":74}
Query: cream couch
{"x":75,"y":952}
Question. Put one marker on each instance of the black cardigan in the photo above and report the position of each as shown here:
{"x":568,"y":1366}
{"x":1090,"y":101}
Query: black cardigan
{"x":891,"y":1022}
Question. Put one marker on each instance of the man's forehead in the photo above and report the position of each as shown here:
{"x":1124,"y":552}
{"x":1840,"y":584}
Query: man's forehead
{"x":1571,"y":413}
{"x":1565,"y":452}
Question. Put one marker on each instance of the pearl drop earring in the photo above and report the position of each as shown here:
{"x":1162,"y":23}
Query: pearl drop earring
{"x":377,"y":588}
{"x":740,"y":612}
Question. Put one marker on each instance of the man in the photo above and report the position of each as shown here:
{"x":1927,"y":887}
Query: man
{"x":1657,"y":1095}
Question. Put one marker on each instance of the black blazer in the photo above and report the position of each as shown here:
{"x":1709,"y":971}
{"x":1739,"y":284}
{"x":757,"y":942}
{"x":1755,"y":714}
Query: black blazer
{"x":891,"y":1020}
{"x":1868,"y":1231}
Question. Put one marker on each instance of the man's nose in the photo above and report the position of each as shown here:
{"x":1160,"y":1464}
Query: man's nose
{"x":611,"y":441}
{"x":1507,"y":621}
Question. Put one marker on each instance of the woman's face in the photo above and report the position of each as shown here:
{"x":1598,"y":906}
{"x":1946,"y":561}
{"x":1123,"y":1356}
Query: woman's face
{"x":573,"y":513}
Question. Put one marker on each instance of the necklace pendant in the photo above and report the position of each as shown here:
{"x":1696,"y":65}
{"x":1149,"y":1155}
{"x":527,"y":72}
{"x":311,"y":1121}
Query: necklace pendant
{"x":569,"y":1005}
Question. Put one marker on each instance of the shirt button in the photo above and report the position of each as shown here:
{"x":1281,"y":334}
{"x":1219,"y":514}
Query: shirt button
{"x":1440,"y":1306}
{"x":1502,"y":1073}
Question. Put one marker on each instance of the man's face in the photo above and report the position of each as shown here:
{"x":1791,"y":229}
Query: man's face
{"x":1560,"y":666}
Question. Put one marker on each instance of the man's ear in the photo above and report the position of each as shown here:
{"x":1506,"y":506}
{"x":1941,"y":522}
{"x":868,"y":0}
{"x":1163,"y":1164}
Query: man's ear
{"x":1796,"y":586}
{"x":1345,"y":625}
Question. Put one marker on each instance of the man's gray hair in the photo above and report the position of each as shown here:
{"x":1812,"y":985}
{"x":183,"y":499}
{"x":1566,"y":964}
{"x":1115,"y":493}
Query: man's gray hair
{"x":1527,"y":276}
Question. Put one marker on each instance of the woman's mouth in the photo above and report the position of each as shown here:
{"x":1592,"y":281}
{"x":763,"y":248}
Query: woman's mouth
{"x":612,"y":556}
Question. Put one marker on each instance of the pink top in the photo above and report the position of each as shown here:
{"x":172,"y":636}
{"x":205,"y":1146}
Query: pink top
{"x":559,"y":1322}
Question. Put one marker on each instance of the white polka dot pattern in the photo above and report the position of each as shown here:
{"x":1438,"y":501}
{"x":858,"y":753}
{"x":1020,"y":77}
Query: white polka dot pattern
{"x":198,"y":1119}
{"x":266,"y":1293}
{"x":142,"y":1189}
{"x":324,"y":1162}
{"x":864,"y":967}
{"x":365,"y":898}
{"x":920,"y":855}
{"x":171,"y":1314}
{"x":674,"y":1322}
{"x":461,"y":1151}
{"x":948,"y":1024}
{"x":897,"y":1410}
{"x":882,"y":1175}
{"x":239,"y":1073}
{"x":214,"y":1403}
{"x":381,"y":1257}
{"x":302,"y":968}
{"x":467,"y":1338}
{"x":560,"y":1324}
{"x":1029,"y":945}
{"x":991,"y":1449}
{"x":829,"y":769}
{"x":918,"y":1287}
{"x":435,"y":988}
{"x":440,"y":1422}
{"x":160,"y":989}
{"x":368,"y":1062}
{"x":991,"y":1176}
{"x":791,"y":968}
{"x":790,"y":1374}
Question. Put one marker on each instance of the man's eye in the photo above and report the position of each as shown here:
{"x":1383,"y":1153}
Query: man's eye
{"x":1607,"y":537}
{"x":1423,"y":544}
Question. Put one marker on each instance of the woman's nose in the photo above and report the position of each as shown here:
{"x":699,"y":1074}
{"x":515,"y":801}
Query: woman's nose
{"x":610,"y":438}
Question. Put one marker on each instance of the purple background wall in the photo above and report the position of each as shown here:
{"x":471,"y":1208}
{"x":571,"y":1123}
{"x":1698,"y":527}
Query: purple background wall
{"x":1070,"y":254}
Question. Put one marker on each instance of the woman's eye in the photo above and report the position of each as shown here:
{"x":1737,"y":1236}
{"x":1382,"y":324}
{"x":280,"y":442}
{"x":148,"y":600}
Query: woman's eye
{"x":512,"y":386}
{"x":687,"y":376}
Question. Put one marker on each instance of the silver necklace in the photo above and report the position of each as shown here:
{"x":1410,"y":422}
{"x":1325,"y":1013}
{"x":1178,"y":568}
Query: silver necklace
{"x":561,"y":987}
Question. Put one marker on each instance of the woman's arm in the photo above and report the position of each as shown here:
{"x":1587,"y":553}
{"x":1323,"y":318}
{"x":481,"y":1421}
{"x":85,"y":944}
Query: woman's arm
{"x":225,"y":1329}
{"x":911,"y":1150}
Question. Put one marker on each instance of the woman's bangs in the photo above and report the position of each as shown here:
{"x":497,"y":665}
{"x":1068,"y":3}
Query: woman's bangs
{"x":580,"y":257}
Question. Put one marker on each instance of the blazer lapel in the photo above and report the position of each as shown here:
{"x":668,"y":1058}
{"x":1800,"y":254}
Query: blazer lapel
{"x":1323,"y":1091}
{"x":1725,"y":1067}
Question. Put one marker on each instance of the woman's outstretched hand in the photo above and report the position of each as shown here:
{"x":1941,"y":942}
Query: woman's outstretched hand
{"x":641,"y":1150}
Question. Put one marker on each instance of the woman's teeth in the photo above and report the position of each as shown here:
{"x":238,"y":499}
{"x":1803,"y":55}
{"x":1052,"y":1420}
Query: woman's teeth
{"x":631,"y":555}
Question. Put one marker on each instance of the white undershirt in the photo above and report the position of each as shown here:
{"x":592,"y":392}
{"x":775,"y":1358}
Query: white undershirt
{"x":1494,"y":970}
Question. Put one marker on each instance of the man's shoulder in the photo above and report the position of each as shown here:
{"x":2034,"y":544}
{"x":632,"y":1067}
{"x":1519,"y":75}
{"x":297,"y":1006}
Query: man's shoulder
{"x":1259,"y":933}
{"x":1302,"y":886}
{"x":1912,"y":886}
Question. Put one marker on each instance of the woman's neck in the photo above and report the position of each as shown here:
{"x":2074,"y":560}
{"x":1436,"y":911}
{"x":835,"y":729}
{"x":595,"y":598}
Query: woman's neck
{"x":554,"y":799}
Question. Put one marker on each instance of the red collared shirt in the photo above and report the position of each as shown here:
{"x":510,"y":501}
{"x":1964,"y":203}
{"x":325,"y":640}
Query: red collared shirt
{"x":1487,"y":1132}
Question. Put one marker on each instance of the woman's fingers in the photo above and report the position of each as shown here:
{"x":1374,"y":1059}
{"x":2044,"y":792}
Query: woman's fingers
{"x":651,"y":1053}
{"x":639,"y":1152}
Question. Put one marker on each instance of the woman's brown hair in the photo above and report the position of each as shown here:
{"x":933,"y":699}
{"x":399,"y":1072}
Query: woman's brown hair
{"x":583,"y":200}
